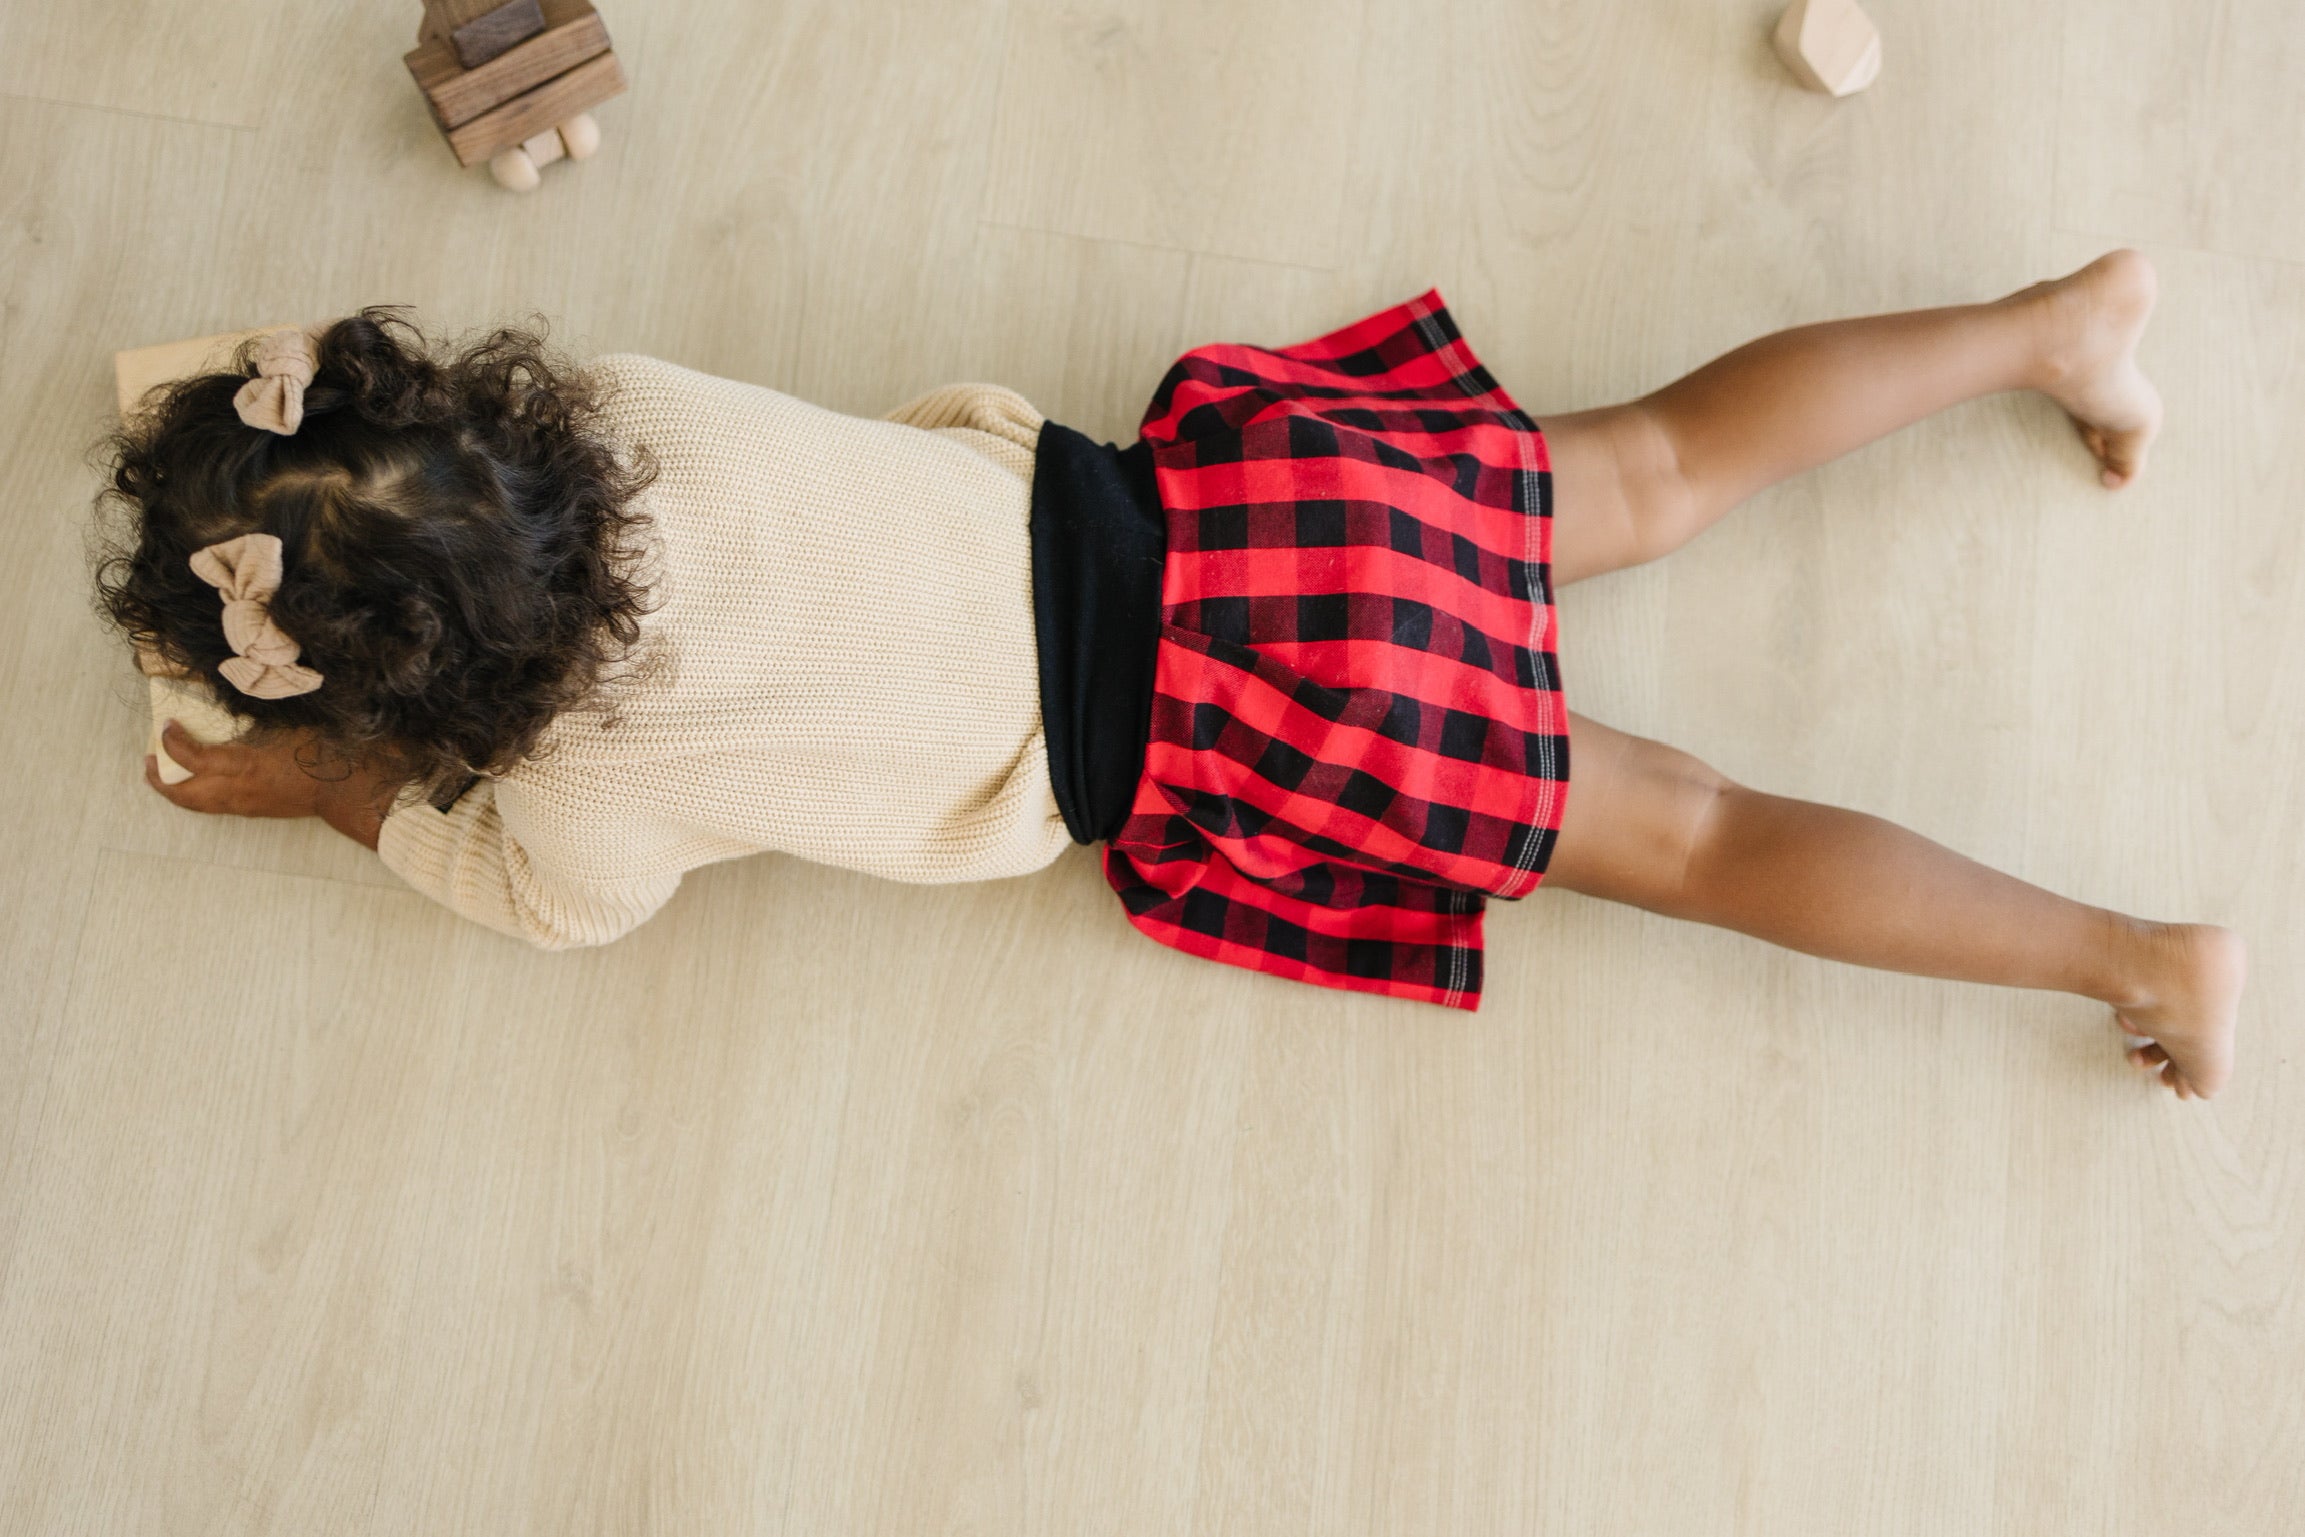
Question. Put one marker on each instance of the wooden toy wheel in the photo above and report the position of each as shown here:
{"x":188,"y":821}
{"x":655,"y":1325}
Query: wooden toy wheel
{"x":514,"y":170}
{"x":520,"y":168}
{"x":580,"y":136}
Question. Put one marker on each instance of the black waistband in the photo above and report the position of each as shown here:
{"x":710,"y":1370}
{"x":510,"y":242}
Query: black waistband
{"x":1098,"y":541}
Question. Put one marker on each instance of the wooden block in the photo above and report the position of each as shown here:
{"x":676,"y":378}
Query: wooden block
{"x":486,"y":36}
{"x":579,"y":90}
{"x":544,"y":148}
{"x":580,"y":136}
{"x":188,"y":702}
{"x":443,"y":17}
{"x":1829,"y":45}
{"x":573,"y":33}
{"x":139,"y":370}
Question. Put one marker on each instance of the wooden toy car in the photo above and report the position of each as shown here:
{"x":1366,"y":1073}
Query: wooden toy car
{"x":515,"y":83}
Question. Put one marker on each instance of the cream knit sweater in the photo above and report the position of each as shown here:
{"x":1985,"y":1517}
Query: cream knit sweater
{"x":844,"y":617}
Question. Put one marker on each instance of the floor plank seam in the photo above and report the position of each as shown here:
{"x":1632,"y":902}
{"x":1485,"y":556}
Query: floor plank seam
{"x":149,"y":117}
{"x":241,"y":869}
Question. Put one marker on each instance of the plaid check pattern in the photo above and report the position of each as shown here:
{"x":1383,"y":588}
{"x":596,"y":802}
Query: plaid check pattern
{"x":1357,"y":729}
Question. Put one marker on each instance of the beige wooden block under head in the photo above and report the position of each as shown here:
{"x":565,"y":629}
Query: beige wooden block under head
{"x":1830,"y":45}
{"x":140,"y":370}
{"x":189,"y":703}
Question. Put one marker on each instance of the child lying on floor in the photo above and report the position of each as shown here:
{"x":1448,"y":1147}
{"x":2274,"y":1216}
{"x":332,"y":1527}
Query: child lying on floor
{"x":547,"y":638}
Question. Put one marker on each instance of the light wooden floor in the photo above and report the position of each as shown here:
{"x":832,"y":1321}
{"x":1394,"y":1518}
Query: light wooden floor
{"x":825,"y":1207}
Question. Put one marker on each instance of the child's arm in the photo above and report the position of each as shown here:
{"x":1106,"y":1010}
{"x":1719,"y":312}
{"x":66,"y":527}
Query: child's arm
{"x":998,"y":423}
{"x":467,"y":860}
{"x":193,"y":709}
{"x":463,"y":858}
{"x":232,"y":778}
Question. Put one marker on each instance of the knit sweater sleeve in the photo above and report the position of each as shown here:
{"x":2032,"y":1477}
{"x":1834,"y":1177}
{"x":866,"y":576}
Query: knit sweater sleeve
{"x":998,"y":423}
{"x":466,"y":859}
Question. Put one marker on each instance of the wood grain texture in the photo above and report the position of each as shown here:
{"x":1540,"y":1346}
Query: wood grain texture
{"x":590,"y":83}
{"x":457,"y":94}
{"x":823,"y":1206}
{"x":492,"y":32}
{"x":444,"y":17}
{"x":2184,"y":127}
{"x":1200,"y":125}
{"x":206,"y":63}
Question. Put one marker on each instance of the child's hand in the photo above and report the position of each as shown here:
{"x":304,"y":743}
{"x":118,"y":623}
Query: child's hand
{"x":238,"y":779}
{"x":234,"y":778}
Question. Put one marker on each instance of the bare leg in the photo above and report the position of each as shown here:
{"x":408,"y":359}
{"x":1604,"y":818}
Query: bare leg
{"x":1639,"y":480}
{"x":1656,"y":828}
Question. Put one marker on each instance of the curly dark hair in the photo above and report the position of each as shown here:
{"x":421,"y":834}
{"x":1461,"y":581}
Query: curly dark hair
{"x":460,"y":543}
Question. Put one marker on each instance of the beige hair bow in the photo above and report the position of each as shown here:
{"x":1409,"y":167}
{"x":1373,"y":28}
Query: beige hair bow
{"x":246,"y":571}
{"x":274,"y":399}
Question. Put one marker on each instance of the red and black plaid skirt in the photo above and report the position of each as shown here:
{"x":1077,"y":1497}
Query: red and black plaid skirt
{"x":1357,"y":730}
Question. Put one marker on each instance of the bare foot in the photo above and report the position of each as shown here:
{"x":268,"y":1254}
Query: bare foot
{"x":2091,"y":321}
{"x":2189,"y":989}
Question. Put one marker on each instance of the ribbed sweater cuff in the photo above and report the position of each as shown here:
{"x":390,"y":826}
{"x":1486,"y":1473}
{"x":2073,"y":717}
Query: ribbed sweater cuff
{"x":414,"y":843}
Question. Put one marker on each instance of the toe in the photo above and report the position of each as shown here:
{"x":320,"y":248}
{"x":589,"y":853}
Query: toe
{"x":2119,"y":455}
{"x":2124,"y":457}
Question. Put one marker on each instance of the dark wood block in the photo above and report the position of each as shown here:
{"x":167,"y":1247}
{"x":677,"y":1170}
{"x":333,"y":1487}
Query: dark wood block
{"x":487,"y":35}
{"x":442,"y":17}
{"x":573,"y":33}
{"x":549,"y":105}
